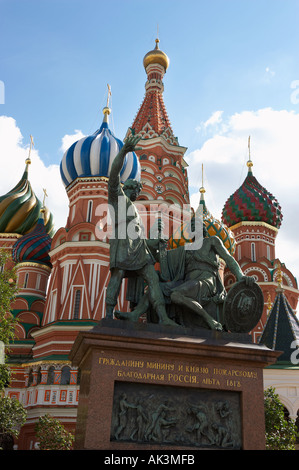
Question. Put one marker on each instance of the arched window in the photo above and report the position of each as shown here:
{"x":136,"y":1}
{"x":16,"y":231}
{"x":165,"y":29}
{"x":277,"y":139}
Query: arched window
{"x":253,"y":254}
{"x":50,"y":378}
{"x":30,"y":379}
{"x":89,"y":211}
{"x":65,"y":375}
{"x":26,"y":280}
{"x":39,"y":376}
{"x":77,"y":303}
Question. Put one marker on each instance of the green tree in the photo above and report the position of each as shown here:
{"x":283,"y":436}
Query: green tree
{"x":8,"y":291}
{"x":12,"y":412}
{"x":280,"y":432}
{"x":52,"y":435}
{"x":12,"y":417}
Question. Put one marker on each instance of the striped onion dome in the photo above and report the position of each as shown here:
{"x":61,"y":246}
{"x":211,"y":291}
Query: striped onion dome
{"x":20,"y":209}
{"x":252,"y":203}
{"x":33,"y":247}
{"x":214,"y":228}
{"x":93,"y":156}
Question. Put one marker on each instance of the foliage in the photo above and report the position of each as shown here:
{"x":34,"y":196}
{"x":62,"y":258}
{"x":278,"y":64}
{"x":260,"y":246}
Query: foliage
{"x":12,"y":417}
{"x":8,"y":291}
{"x":52,"y":435}
{"x":12,"y":413}
{"x":280,"y":432}
{"x":5,"y":374}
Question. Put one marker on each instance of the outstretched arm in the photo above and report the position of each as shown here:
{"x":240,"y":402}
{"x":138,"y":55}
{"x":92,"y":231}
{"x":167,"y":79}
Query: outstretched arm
{"x":129,"y":146}
{"x":230,"y":261}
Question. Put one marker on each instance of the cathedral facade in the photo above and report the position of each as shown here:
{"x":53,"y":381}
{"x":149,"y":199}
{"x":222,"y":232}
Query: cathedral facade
{"x":63,"y":276}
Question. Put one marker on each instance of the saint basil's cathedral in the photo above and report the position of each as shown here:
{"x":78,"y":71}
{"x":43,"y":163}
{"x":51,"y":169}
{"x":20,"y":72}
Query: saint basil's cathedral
{"x":62,"y":276}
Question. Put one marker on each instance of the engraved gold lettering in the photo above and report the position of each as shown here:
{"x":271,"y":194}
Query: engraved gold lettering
{"x":210,"y":381}
{"x":197,"y":369}
{"x":235,"y":373}
{"x":182,"y":378}
{"x":233,"y":383}
{"x":159,"y":366}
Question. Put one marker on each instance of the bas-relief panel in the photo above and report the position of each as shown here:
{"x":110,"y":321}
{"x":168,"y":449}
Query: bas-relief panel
{"x":178,"y":416}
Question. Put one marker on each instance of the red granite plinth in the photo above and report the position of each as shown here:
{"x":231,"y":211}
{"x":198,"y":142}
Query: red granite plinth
{"x":182,"y":389}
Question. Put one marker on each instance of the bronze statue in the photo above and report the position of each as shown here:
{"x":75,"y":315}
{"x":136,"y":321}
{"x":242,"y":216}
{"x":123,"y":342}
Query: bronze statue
{"x":130,"y":256}
{"x":196,"y":285}
{"x":188,"y":291}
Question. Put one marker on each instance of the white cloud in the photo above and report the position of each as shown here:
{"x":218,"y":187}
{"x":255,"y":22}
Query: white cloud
{"x":274,"y":152}
{"x":215,"y":119}
{"x":13,"y":153}
{"x":69,"y":139}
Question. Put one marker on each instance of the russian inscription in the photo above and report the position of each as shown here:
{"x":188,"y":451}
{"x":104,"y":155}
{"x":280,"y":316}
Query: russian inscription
{"x":179,"y":374}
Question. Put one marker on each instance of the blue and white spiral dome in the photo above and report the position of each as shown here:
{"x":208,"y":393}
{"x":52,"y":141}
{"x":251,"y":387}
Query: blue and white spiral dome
{"x":93,"y":156}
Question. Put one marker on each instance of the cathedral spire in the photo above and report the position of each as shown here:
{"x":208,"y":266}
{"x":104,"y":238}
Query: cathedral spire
{"x":152,"y":119}
{"x":164,"y":170}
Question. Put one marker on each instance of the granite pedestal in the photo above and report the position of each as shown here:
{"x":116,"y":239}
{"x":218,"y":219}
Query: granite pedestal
{"x":147,"y":387}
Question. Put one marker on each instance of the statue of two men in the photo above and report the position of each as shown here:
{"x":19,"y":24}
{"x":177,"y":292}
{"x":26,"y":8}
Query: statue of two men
{"x":196,"y":285}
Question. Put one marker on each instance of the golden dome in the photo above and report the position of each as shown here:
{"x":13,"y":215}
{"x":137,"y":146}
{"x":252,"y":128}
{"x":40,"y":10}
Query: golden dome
{"x":156,"y":56}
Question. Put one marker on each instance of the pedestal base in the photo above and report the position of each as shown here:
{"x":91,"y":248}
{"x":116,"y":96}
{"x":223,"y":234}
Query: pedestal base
{"x":146,"y":387}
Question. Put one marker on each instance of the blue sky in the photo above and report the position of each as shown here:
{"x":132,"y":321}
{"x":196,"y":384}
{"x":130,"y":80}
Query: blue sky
{"x":232,"y":63}
{"x":57,"y":57}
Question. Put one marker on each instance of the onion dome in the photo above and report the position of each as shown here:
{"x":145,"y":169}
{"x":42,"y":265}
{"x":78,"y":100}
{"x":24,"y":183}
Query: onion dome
{"x":34,"y":247}
{"x":252,"y":203}
{"x":156,"y":56}
{"x":20,"y":209}
{"x":92,"y":156}
{"x":214,"y":228}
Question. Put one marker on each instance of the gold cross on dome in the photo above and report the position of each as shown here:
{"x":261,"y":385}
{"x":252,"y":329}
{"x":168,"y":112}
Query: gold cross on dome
{"x":45,"y":195}
{"x":249,"y":146}
{"x":109,"y":94}
{"x":31,"y":142}
{"x":28,"y":160}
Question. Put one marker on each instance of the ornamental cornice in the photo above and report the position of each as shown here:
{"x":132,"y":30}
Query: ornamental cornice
{"x":254,"y":224}
{"x":61,"y":327}
{"x":33,"y":265}
{"x":160,"y":140}
{"x":83,"y":245}
{"x":89,"y":179}
{"x":10,"y":235}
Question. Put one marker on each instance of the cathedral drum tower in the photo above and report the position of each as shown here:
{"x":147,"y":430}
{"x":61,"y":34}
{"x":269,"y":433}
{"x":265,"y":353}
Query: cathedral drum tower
{"x":80,"y":250}
{"x":254,"y":216}
{"x":163,"y":168}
